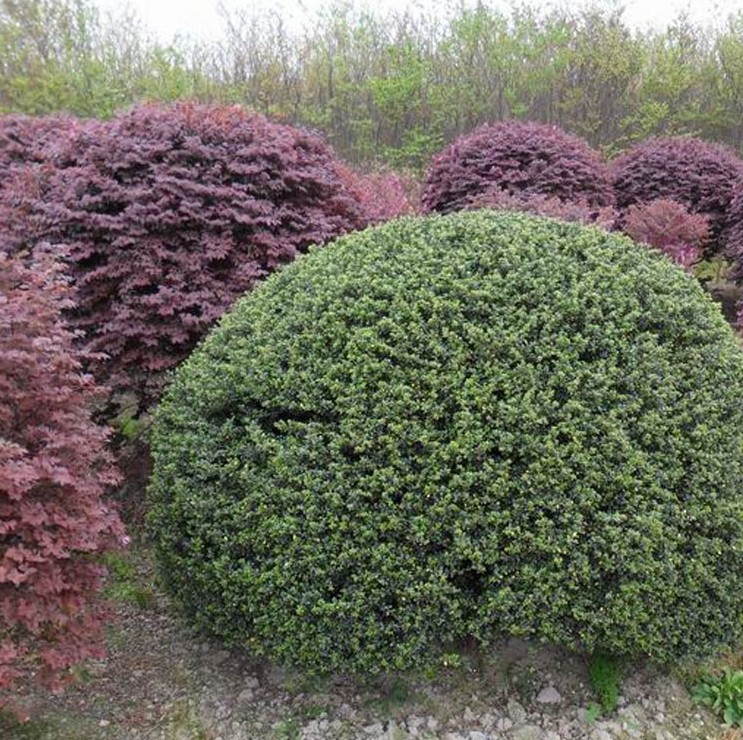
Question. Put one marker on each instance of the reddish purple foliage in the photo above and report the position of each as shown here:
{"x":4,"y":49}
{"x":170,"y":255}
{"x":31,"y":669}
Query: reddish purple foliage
{"x":168,"y":213}
{"x":543,"y":205}
{"x":54,"y":470}
{"x":515,"y":156}
{"x":670,"y":227}
{"x":734,"y":234}
{"x":695,"y":173}
{"x":383,"y":194}
{"x":33,"y":139}
{"x":28,"y":145}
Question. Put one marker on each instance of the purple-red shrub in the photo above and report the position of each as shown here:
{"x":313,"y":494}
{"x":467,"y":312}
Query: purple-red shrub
{"x":382,"y":194}
{"x":28,"y":147}
{"x":518,"y":157}
{"x":695,"y":173}
{"x":734,"y":234}
{"x":168,"y":213}
{"x":54,"y":471}
{"x":33,"y":139}
{"x":544,"y":205}
{"x":670,"y":227}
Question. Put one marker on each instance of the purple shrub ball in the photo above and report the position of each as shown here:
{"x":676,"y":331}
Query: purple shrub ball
{"x":697,"y":174}
{"x":518,"y":157}
{"x":168,"y":213}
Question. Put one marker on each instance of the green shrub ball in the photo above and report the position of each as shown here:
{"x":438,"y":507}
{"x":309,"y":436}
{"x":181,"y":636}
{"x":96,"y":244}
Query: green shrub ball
{"x":459,"y":426}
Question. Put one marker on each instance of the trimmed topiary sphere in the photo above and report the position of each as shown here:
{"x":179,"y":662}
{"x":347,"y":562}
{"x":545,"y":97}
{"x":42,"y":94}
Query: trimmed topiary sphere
{"x":469,"y":425}
{"x":697,"y":174}
{"x":519,"y":157}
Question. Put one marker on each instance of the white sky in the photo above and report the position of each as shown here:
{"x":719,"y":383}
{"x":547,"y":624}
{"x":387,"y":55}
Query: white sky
{"x":201,"y":19}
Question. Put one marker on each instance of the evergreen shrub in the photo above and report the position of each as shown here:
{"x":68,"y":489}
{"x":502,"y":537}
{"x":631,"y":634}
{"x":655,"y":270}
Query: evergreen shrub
{"x":454,"y":426}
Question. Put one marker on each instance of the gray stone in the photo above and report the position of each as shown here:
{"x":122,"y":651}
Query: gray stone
{"x":528,"y":732}
{"x":469,"y":715}
{"x":503,"y":724}
{"x":476,"y":735}
{"x":374,"y":729}
{"x":432,"y":724}
{"x":549,"y":695}
{"x":600,"y":735}
{"x":515,"y":711}
{"x":245,"y":696}
{"x":487,"y":720}
{"x":252,"y":682}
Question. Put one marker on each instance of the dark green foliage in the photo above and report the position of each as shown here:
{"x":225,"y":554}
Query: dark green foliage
{"x":462,"y":425}
{"x":605,"y":674}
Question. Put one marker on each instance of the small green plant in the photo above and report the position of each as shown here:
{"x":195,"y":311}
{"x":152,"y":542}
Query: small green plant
{"x":314,"y":711}
{"x":714,"y":270}
{"x":724,"y":694}
{"x":593,"y":712}
{"x":287,"y":729}
{"x":122,"y":582}
{"x":605,"y":675}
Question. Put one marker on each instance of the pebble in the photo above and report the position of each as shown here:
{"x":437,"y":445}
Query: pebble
{"x":515,"y":711}
{"x":549,"y":695}
{"x":245,"y":696}
{"x":528,"y":732}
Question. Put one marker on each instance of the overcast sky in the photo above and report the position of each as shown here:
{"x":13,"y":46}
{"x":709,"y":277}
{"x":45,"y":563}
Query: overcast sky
{"x":201,"y":18}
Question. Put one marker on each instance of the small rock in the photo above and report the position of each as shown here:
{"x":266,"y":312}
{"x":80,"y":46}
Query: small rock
{"x":475,"y":735}
{"x":528,"y":732}
{"x":245,"y":696}
{"x":515,"y":711}
{"x":252,"y":682}
{"x":503,"y":724}
{"x":487,"y":720}
{"x":600,"y":735}
{"x":549,"y":695}
{"x":432,"y":723}
{"x":469,"y":715}
{"x":104,"y":723}
{"x":375,"y":729}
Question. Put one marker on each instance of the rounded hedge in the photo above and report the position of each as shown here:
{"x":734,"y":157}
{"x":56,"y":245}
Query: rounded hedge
{"x":697,"y":174}
{"x":459,"y":426}
{"x":518,"y":157}
{"x":168,"y":213}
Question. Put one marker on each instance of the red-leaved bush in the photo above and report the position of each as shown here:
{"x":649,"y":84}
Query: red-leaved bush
{"x":544,"y":205}
{"x":168,"y":213}
{"x":734,"y":234}
{"x":382,"y":194}
{"x":54,"y":471}
{"x":695,"y":173}
{"x":670,"y":227}
{"x":28,"y":147}
{"x":518,"y":157}
{"x":33,"y":139}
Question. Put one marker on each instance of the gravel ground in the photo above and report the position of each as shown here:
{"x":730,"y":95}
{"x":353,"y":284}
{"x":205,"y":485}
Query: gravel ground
{"x":162,"y":681}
